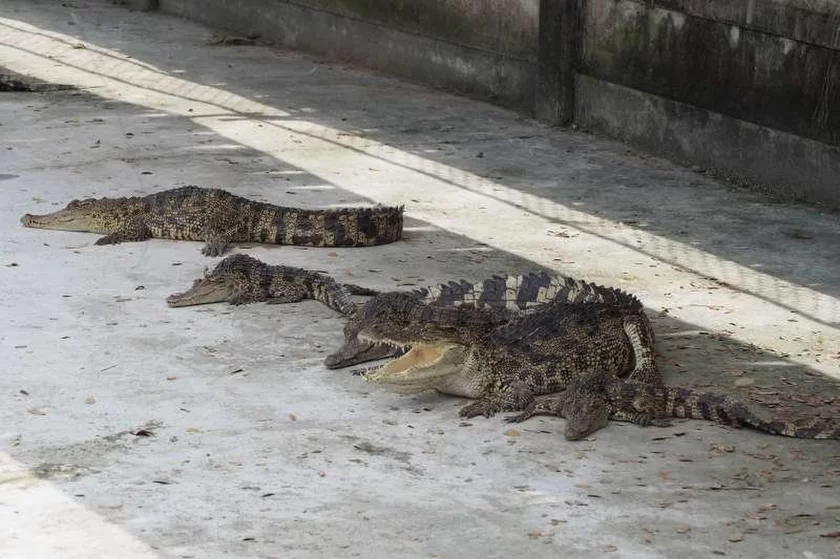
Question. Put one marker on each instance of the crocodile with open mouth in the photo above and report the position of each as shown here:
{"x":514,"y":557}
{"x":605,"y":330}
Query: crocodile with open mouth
{"x":503,"y":359}
{"x":220,"y":218}
{"x":520,"y":294}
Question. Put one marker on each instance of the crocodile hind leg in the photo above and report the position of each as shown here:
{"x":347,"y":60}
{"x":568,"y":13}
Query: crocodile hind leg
{"x":640,"y":335}
{"x":354,"y":289}
{"x":289,"y":294}
{"x":644,"y":408}
{"x":131,"y":232}
{"x":215,"y":244}
{"x":640,"y":418}
{"x":219,"y":232}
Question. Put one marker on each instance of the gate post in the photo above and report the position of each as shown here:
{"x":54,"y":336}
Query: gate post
{"x":557,"y":55}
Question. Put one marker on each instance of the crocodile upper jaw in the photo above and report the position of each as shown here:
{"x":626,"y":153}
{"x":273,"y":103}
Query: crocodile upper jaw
{"x":422,"y":367}
{"x":356,"y":351}
{"x":61,"y":220}
{"x":202,"y":293}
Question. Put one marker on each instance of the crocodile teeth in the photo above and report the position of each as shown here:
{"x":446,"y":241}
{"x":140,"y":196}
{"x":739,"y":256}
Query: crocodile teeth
{"x":418,"y":364}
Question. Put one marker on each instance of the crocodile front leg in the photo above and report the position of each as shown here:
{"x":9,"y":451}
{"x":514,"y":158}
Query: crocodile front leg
{"x":244,"y":291}
{"x":286,"y":298}
{"x":130,"y":232}
{"x":511,"y":397}
{"x":282,"y":291}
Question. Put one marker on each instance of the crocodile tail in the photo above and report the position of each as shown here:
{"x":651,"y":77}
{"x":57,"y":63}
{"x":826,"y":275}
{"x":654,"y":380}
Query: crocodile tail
{"x":529,"y":290}
{"x":328,"y":291}
{"x":497,"y":292}
{"x":375,"y":226}
{"x":339,"y":227}
{"x":580,"y":291}
{"x":696,"y":404}
{"x":523,"y":292}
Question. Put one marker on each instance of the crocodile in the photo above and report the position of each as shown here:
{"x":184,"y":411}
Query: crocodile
{"x":220,"y":218}
{"x":592,"y":399}
{"x":520,"y":293}
{"x":240,"y":279}
{"x":504,"y":359}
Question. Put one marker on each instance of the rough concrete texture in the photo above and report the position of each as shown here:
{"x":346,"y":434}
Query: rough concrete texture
{"x":256,"y":449}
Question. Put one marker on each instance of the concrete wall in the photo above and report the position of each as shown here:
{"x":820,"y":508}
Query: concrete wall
{"x":484,"y":48}
{"x":734,"y":70}
{"x":750,"y":88}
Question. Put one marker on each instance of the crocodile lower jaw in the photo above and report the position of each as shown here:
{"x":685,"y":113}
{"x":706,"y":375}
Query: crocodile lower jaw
{"x":200,"y":295}
{"x":420,"y":364}
{"x":55,"y":221}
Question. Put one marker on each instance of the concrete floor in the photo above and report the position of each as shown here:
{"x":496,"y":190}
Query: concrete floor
{"x":257,"y":449}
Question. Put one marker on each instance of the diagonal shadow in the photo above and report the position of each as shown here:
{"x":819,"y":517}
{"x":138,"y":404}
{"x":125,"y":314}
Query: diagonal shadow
{"x":772,"y":270}
{"x":688,"y":353}
{"x":546,"y":204}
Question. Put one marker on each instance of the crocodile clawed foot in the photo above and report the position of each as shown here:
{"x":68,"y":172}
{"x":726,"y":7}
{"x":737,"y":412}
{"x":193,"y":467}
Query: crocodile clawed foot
{"x":240,"y":299}
{"x":478,"y":408}
{"x":661,"y":423}
{"x":527,"y":413}
{"x":520,"y":417}
{"x":107,"y":240}
{"x":643,"y":419}
{"x":216,"y":248}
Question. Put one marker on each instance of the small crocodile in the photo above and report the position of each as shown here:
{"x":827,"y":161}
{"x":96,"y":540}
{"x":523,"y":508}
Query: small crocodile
{"x":504,"y":359}
{"x":220,"y":218}
{"x":518,"y":293}
{"x":240,"y":279}
{"x":592,"y":399}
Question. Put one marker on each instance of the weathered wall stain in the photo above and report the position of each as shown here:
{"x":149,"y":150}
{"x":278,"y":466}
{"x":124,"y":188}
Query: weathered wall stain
{"x":505,"y":26}
{"x":808,"y":21}
{"x":766,"y":79}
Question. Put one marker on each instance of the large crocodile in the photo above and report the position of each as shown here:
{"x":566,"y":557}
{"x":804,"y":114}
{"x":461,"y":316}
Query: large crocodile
{"x":240,"y":279}
{"x":502,"y":359}
{"x":518,"y":293}
{"x":219,"y":218}
{"x":592,"y":399}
